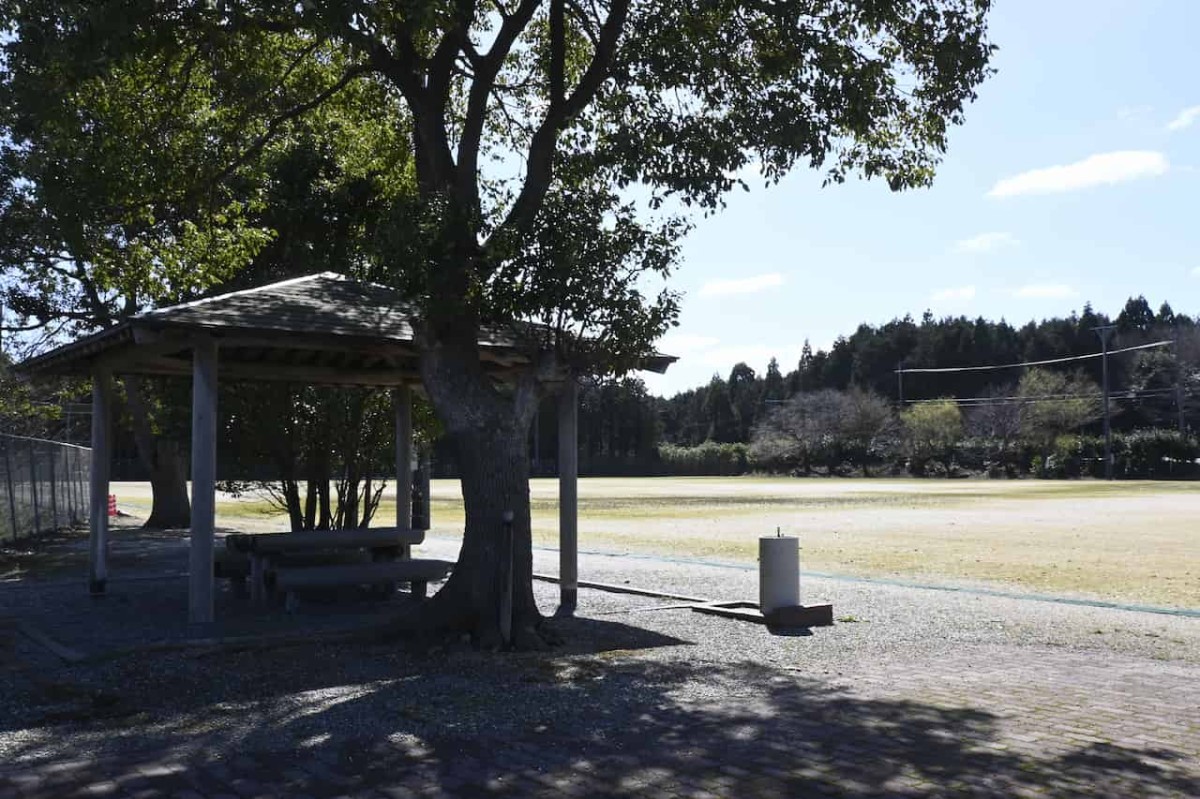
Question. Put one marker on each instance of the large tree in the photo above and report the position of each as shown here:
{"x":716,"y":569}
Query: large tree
{"x":546,"y":133}
{"x":140,"y":168}
{"x":86,"y":237}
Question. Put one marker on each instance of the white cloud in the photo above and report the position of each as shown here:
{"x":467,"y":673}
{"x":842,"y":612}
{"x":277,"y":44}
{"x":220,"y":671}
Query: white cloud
{"x":1196,"y":271}
{"x":748,"y":285}
{"x":985,"y":242}
{"x":1046,"y":291}
{"x":1096,"y":170}
{"x":960,"y":293}
{"x":684,"y":344}
{"x":1184,"y":119}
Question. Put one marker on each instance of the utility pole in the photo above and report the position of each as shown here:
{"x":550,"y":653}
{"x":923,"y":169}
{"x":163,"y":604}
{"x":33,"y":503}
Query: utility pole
{"x":1105,"y":332}
{"x":900,"y":382}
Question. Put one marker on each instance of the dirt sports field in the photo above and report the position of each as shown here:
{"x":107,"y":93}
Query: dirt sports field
{"x":1134,"y":542}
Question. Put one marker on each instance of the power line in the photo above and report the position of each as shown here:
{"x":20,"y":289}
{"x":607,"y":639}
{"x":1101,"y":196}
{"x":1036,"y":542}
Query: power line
{"x":947,"y":369}
{"x":1017,"y":399}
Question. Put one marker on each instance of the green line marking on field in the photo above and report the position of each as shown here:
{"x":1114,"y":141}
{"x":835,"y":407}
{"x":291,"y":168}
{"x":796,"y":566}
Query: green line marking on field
{"x":1189,"y":613}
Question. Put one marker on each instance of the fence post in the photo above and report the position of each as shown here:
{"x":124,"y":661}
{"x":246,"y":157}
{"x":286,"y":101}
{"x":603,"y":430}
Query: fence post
{"x":33,"y":492}
{"x":12,"y":495}
{"x":69,"y":485}
{"x":54,"y":488}
{"x":83,"y":462}
{"x":80,"y":489}
{"x":81,"y":498}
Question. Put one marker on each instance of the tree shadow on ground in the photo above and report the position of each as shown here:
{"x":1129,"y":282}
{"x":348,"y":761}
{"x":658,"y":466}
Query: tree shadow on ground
{"x":622,"y":712}
{"x":63,"y":554}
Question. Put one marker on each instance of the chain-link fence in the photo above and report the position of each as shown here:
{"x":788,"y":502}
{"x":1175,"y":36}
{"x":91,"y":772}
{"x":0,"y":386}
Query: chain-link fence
{"x":43,"y":486}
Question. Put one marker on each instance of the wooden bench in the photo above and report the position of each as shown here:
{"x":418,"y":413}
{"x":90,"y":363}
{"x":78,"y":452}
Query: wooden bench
{"x":234,"y":567}
{"x":383,"y":539}
{"x":267,"y":553}
{"x":417,"y":572}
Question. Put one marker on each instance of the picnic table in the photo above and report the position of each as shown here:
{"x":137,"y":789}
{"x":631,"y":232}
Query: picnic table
{"x":290,"y":562}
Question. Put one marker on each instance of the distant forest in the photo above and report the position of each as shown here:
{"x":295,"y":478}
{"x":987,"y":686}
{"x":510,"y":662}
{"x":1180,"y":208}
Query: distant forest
{"x":838,"y":412}
{"x":995,"y":421}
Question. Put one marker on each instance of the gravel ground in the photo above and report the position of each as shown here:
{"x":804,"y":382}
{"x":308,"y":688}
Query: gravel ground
{"x":946,"y":688}
{"x":881,"y":620}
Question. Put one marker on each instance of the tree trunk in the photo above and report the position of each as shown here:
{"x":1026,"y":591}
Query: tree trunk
{"x":161,"y":457}
{"x":489,"y":429}
{"x":291,"y":494}
{"x":324,"y":517}
{"x":171,"y":506}
{"x":494,"y":468}
{"x":310,"y":504}
{"x":348,"y":497}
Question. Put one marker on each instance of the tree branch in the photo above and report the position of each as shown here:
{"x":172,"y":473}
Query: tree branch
{"x":584,"y":21}
{"x":405,"y":69}
{"x":558,"y":58}
{"x":481,"y":88}
{"x":351,"y":74}
{"x":601,"y":62}
{"x":454,"y":41}
{"x":540,"y":162}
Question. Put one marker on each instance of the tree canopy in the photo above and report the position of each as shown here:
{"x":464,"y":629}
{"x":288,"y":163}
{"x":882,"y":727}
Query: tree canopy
{"x":555,"y":149}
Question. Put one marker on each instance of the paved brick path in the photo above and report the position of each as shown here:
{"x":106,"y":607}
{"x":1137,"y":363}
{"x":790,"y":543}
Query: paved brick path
{"x":989,"y":722}
{"x":931,"y":695}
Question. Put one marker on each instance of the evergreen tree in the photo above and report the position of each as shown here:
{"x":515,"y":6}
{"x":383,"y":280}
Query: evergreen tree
{"x":719,"y":413}
{"x":774,"y":387}
{"x":1135,"y":316}
{"x":745,"y":392}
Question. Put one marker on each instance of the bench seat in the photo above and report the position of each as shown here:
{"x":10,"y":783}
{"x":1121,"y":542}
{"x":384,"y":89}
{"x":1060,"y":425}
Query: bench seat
{"x":368,"y":538}
{"x":418,"y":572}
{"x":232,"y":565}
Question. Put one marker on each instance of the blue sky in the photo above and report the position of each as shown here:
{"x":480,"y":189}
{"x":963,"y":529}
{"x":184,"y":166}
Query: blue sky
{"x":1075,"y":178}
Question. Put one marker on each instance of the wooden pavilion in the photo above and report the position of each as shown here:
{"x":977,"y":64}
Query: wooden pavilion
{"x":323,"y":329}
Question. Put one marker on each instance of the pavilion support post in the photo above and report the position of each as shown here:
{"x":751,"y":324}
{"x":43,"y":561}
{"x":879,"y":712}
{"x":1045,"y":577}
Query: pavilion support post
{"x":402,"y":406}
{"x":204,"y":474}
{"x":568,"y":497}
{"x":101,"y":463}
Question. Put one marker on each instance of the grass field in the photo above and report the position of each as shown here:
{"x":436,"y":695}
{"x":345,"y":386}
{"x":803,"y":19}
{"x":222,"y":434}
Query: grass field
{"x":1130,"y":541}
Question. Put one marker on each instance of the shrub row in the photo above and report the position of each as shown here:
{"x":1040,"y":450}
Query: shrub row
{"x":1147,"y":454}
{"x":709,"y":458}
{"x":1140,"y":454}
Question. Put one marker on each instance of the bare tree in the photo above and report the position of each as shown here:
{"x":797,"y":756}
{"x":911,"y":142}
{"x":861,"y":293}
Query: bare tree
{"x":867,"y":426}
{"x":803,"y":433}
{"x":997,"y":421}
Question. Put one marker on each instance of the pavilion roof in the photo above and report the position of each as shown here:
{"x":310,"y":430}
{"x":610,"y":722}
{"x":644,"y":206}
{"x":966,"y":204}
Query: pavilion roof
{"x":320,"y":329}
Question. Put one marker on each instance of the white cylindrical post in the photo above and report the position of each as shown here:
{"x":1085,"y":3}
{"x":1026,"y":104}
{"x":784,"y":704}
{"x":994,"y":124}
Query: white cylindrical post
{"x":204,"y":477}
{"x":778,"y":572}
{"x":101,"y":462}
{"x":568,"y":497}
